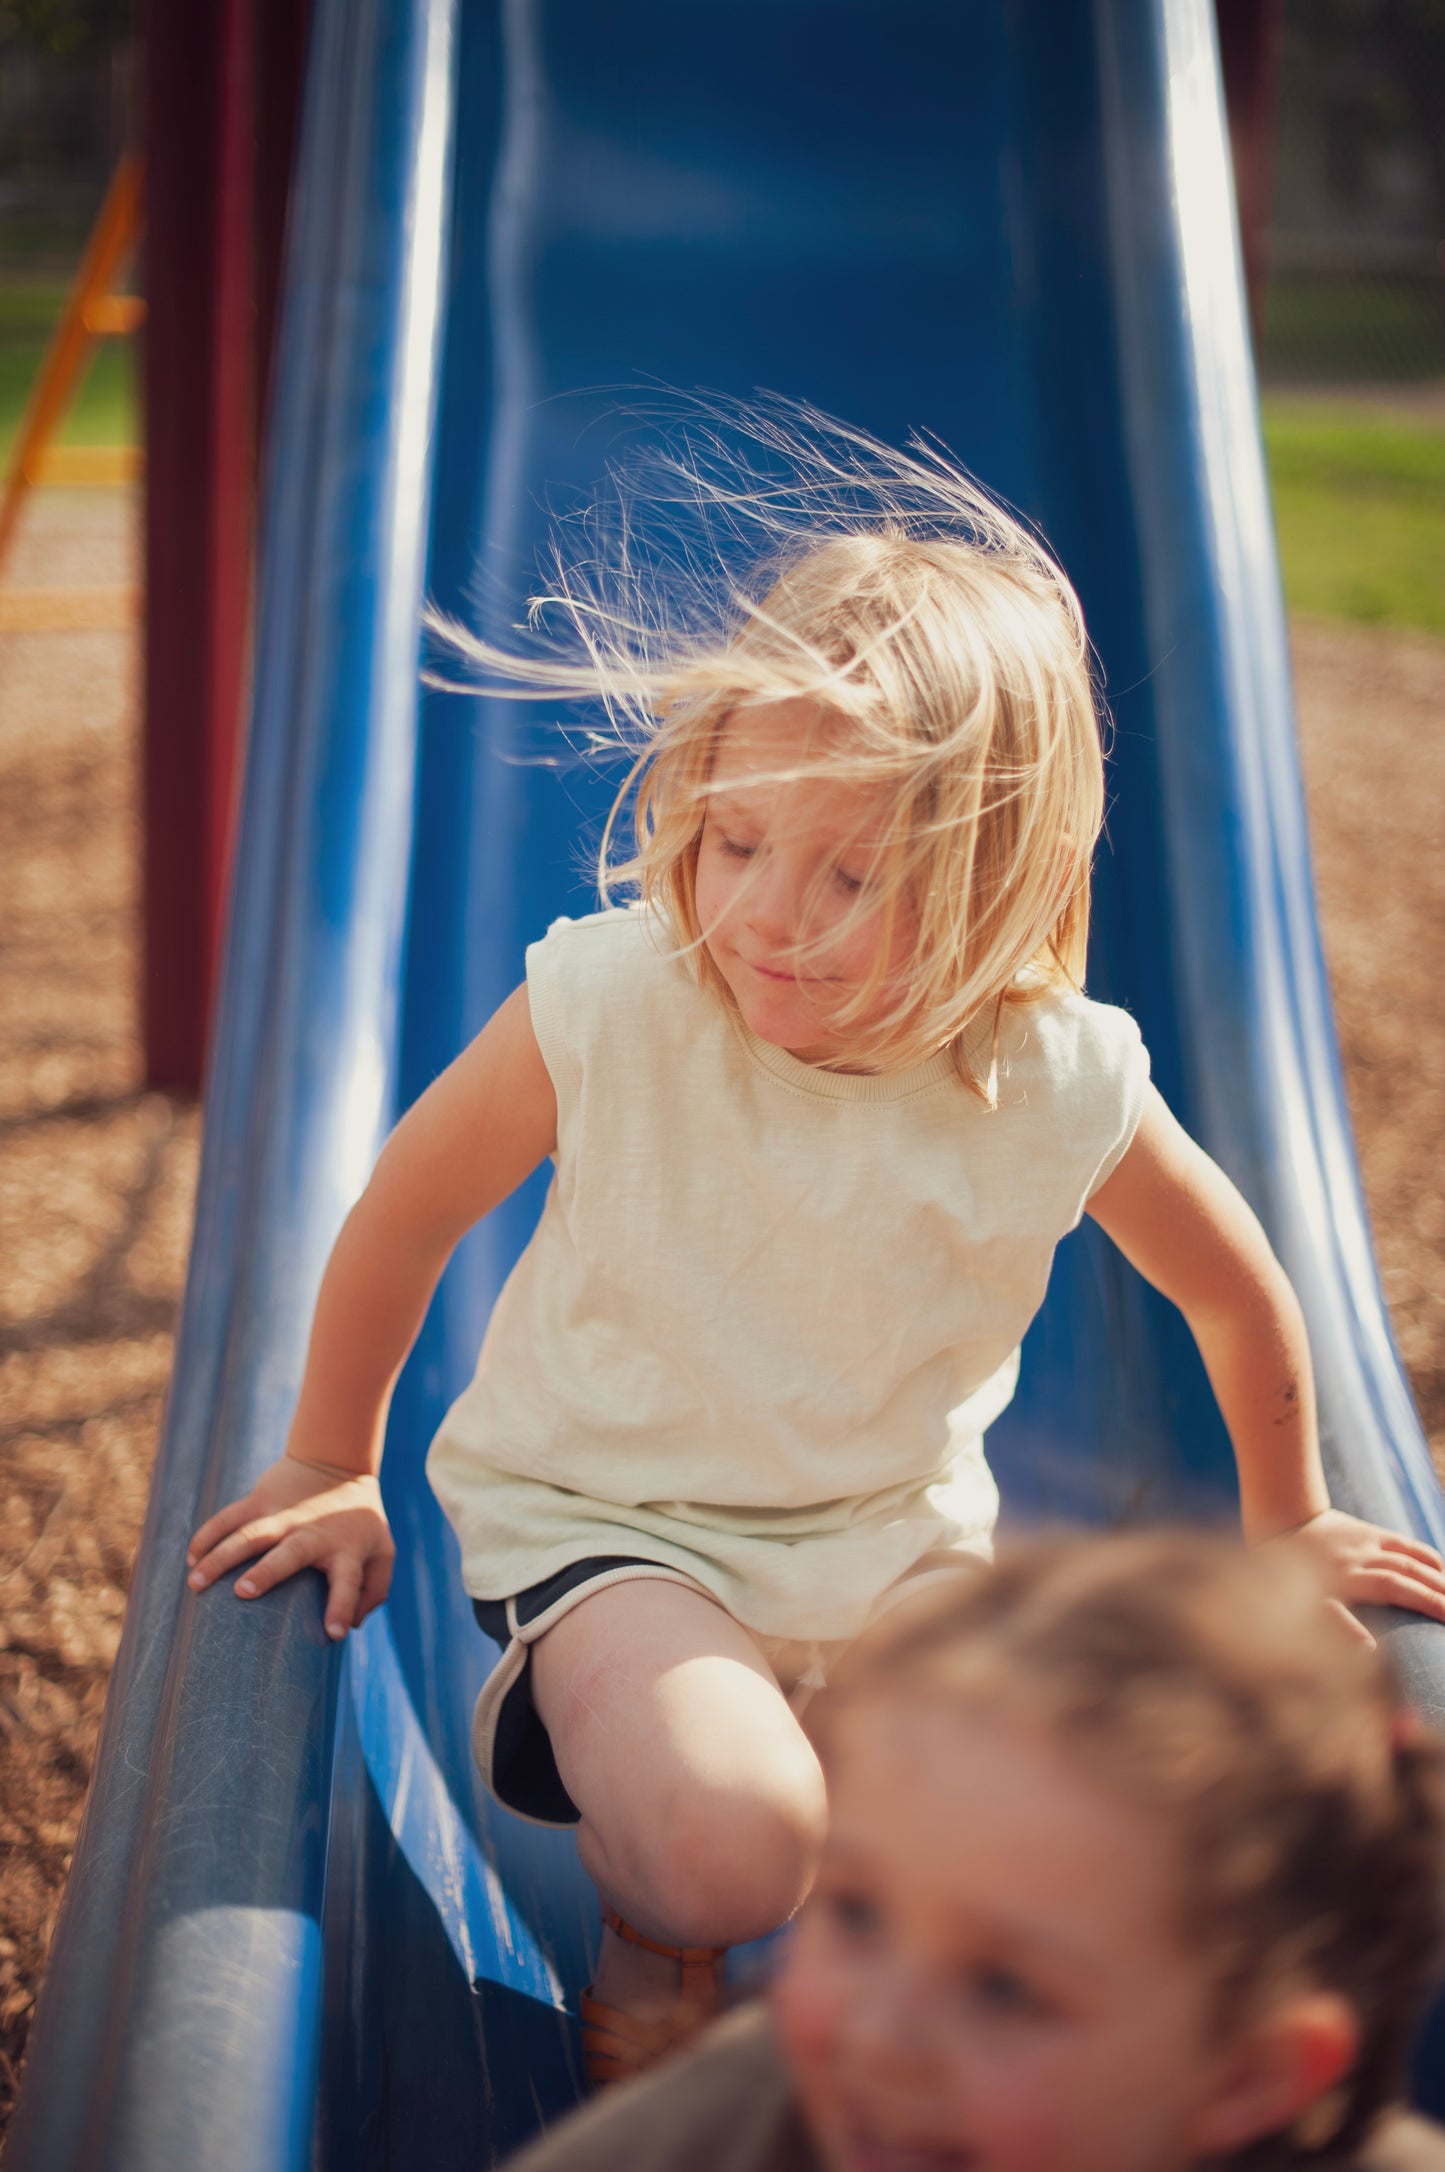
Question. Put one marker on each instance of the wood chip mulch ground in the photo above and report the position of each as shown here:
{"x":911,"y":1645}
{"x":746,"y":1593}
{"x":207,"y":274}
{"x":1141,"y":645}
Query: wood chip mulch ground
{"x":96,"y":1176}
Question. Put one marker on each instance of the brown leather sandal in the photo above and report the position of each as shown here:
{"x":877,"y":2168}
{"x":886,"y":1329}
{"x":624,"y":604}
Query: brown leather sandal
{"x":616,"y":2044}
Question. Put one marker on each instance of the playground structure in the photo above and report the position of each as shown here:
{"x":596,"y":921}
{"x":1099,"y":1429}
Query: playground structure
{"x":93,"y":310}
{"x":208,"y":204}
{"x":294,"y":1933}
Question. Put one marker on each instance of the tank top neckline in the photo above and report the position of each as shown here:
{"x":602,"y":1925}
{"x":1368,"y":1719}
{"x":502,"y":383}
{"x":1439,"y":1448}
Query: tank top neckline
{"x":820,"y":1084}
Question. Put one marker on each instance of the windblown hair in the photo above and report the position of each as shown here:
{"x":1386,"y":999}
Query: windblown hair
{"x":758,"y":553}
{"x":1211,"y":1689}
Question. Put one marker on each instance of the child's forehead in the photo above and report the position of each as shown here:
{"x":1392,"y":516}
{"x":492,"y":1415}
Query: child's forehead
{"x":789,"y":759}
{"x":765,"y":731}
{"x":983,"y":1816}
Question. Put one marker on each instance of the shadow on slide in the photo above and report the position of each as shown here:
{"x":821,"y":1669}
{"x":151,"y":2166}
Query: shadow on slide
{"x":295,"y":1934}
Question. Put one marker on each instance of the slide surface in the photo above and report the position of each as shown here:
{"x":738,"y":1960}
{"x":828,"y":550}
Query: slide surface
{"x":295,"y":1935}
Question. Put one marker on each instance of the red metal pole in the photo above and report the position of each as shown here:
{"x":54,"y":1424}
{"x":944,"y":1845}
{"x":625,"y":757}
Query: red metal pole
{"x":1250,"y":36}
{"x":199,"y":413}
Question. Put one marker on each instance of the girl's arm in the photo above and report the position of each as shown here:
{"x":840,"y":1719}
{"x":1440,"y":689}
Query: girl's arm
{"x":468,"y":1142}
{"x":1176,"y":1217}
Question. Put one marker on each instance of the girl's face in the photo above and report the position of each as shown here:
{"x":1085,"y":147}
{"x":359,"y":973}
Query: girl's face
{"x":984,"y":1979}
{"x":783,"y":879}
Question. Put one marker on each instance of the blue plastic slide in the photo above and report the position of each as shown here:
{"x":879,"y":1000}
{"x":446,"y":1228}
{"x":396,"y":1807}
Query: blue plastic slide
{"x":294,"y":1934}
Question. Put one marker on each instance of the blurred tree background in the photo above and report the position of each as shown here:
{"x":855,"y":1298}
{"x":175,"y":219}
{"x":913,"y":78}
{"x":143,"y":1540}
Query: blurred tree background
{"x":62,"y":28}
{"x":1358,"y":242}
{"x":66,"y":113}
{"x":1353,"y":354}
{"x":65,"y":69}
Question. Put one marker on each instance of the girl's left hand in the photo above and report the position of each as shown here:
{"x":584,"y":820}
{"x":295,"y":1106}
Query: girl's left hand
{"x":1364,"y":1565}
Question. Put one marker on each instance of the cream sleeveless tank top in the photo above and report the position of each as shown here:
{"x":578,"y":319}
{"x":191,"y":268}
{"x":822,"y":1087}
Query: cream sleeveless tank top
{"x":769,"y":1309}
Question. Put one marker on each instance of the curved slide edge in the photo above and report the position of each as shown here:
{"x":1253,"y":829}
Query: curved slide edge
{"x":1262,"y":1080}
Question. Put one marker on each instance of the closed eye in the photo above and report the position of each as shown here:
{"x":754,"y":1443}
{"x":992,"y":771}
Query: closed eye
{"x":853,"y":1913}
{"x":1003,"y":1991}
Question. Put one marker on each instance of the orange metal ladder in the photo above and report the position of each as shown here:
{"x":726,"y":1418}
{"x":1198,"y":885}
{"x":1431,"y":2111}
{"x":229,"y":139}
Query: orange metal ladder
{"x":93,"y":310}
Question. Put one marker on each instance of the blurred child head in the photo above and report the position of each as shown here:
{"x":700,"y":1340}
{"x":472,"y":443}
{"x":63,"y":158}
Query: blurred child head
{"x":1133,"y":1864}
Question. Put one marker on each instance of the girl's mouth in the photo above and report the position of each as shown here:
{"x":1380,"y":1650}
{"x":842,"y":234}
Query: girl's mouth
{"x":784,"y":974}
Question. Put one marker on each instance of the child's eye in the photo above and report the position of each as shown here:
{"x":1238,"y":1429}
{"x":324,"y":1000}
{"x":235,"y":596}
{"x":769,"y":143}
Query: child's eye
{"x":850,"y":885}
{"x":853,"y":1913}
{"x":1002,"y":1990}
{"x":734,"y":848}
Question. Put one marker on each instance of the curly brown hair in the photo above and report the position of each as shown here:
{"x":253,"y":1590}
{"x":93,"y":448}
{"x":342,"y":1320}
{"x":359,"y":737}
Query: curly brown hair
{"x":1213,"y":1686}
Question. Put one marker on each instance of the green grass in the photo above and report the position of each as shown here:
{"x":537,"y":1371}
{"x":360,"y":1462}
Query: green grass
{"x":1359,"y":500}
{"x":1335,"y":331}
{"x":104,"y":409}
{"x":43,"y":248}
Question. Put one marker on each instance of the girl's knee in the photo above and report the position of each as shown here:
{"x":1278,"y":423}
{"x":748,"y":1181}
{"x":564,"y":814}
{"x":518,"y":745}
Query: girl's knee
{"x":730,"y":1863}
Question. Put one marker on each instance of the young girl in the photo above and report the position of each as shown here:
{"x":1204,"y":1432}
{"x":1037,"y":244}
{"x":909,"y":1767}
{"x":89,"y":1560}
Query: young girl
{"x":822,"y":1101}
{"x":1132,"y":1865}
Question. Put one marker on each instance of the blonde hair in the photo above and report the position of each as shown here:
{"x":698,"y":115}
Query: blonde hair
{"x":759,"y":553}
{"x":1210,"y":1689}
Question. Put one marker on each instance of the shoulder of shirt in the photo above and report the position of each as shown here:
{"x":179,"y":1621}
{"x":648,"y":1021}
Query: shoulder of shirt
{"x":622,"y":961}
{"x":1399,"y":2141}
{"x":621,"y":924}
{"x":724,"y":2105}
{"x":625,"y":947}
{"x":1065,"y":1028}
{"x":1402,"y":2142}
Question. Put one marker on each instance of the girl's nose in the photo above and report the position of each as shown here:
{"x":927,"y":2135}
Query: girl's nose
{"x":771,"y":903}
{"x":890,"y":2025}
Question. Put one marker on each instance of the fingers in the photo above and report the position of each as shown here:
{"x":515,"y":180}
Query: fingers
{"x":1379,"y":1585}
{"x":1416,"y":1568}
{"x":1417,"y":1550}
{"x":217,"y":1527}
{"x":297,"y":1550}
{"x":291,"y":1521}
{"x":253,"y":1536}
{"x":1367,"y":1565}
{"x":375,"y":1584}
{"x":357,"y":1589}
{"x":357,"y":1580}
{"x":341,"y":1597}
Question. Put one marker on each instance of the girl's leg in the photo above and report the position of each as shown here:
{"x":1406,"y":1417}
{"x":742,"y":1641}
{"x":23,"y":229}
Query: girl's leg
{"x":701,"y":1800}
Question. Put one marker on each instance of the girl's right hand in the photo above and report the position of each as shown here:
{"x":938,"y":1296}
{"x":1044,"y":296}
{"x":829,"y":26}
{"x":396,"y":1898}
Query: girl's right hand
{"x":300,"y":1516}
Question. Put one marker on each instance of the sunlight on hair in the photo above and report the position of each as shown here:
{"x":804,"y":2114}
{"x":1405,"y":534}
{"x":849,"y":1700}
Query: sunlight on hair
{"x":753,"y":553}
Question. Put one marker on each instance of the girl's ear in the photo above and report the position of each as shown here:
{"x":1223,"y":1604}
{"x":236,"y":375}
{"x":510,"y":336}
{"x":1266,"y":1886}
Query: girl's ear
{"x":1279,"y":2071}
